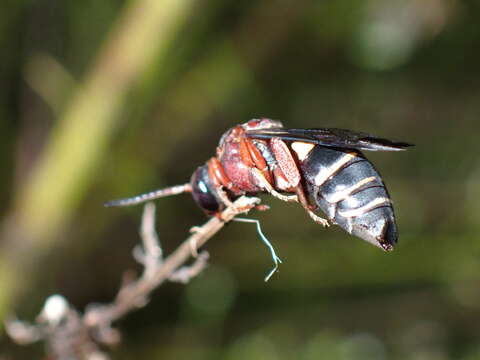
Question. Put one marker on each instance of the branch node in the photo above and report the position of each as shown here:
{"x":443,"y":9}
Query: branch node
{"x":186,"y":273}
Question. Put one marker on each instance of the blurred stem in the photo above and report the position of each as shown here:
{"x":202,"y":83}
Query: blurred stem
{"x":82,"y":134}
{"x":51,"y":194}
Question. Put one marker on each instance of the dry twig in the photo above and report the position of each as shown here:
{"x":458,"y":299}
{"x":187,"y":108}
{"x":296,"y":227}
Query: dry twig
{"x":69,"y":335}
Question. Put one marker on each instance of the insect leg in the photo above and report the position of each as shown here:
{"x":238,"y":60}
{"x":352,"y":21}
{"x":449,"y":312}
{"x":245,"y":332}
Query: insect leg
{"x":262,"y":182}
{"x":308,"y":208}
{"x":317,"y":219}
{"x":220,"y":180}
{"x":222,"y":194}
{"x":289,"y":167}
{"x":286,"y":163}
{"x":257,"y":159}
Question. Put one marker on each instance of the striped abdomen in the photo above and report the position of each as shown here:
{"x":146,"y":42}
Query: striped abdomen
{"x":348,"y":189}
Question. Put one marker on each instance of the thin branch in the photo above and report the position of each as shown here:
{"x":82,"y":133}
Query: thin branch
{"x":69,"y":335}
{"x":151,"y":254}
{"x":186,"y":273}
{"x":131,"y":295}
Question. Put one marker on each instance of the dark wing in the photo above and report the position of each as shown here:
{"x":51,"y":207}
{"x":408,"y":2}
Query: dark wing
{"x":331,"y":137}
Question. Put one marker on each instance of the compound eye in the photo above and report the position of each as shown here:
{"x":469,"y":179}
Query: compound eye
{"x":202,"y":191}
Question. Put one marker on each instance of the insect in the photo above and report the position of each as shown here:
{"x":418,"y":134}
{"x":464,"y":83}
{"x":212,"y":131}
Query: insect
{"x":322,"y":169}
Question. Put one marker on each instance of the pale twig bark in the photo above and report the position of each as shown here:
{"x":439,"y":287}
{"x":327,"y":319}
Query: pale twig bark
{"x":69,"y":335}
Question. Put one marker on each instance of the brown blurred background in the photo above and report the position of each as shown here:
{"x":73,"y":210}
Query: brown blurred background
{"x":106,"y":99}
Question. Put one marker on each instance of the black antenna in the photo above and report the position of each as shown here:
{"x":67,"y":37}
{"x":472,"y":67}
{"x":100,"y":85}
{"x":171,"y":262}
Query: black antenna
{"x":138,"y":199}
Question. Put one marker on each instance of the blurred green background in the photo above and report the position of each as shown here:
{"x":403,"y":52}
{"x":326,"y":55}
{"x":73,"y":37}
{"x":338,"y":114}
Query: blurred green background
{"x":106,"y":99}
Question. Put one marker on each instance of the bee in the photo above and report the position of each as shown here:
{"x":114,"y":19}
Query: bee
{"x":322,"y":169}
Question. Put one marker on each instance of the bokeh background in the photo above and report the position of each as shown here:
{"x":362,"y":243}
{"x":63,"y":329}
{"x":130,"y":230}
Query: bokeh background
{"x":106,"y":99}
